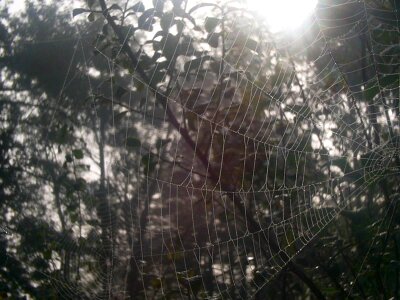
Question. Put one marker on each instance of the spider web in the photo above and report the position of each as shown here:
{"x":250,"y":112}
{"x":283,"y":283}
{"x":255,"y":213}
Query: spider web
{"x":270,"y":144}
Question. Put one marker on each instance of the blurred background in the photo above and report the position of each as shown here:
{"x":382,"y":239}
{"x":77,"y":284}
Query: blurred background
{"x":174,"y":149}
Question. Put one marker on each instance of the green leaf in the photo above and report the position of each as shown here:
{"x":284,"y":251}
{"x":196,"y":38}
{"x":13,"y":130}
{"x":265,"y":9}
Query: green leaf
{"x":115,"y":6}
{"x":91,"y":17}
{"x":90,"y":3}
{"x":213,"y":39}
{"x":119,"y":116}
{"x":157,"y":77}
{"x":331,"y":291}
{"x":162,"y":142}
{"x":196,"y":63}
{"x":47,"y":254}
{"x":177,"y":3}
{"x":133,"y":142}
{"x":386,"y":16}
{"x":156,"y":283}
{"x":149,"y":163}
{"x":93,"y":222}
{"x":371,"y":158}
{"x":74,"y":217}
{"x":138,"y":7}
{"x":340,"y":162}
{"x":167,"y":21}
{"x":146,"y":20}
{"x":78,"y":153}
{"x":101,"y":100}
{"x":211,"y":23}
{"x":371,"y":90}
{"x":251,"y":44}
{"x":105,"y":29}
{"x":139,"y":85}
{"x":61,"y":136}
{"x":168,"y":44}
{"x":68,"y":158}
{"x":80,"y":184}
{"x":389,"y":80}
{"x":179,"y":25}
{"x":158,"y":5}
{"x":395,"y":263}
{"x":78,"y":11}
{"x":120,"y":92}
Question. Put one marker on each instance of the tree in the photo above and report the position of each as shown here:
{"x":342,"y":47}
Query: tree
{"x":153,"y":151}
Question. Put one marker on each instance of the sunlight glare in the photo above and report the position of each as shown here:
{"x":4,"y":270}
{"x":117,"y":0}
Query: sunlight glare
{"x":282,"y":15}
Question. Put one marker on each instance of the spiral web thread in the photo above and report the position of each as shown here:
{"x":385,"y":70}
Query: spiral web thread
{"x":192,"y":224}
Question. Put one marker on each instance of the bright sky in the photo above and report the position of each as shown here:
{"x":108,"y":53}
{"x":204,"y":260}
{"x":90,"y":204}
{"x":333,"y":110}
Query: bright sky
{"x":282,"y":15}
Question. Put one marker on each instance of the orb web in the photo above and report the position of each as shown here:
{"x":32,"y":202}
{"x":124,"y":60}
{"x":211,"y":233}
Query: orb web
{"x":224,"y":150}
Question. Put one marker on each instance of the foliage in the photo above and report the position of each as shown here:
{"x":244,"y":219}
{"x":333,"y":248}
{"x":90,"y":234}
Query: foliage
{"x":152,"y":156}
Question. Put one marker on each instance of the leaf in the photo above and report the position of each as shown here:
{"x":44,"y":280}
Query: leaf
{"x":93,"y":222}
{"x":78,"y":153}
{"x":389,"y":80}
{"x":148,"y":162}
{"x":192,"y":120}
{"x":331,"y":291}
{"x":127,"y":31}
{"x":167,"y":21}
{"x":101,"y":100}
{"x":90,"y":3}
{"x":68,"y":158}
{"x":120,"y":92}
{"x":78,"y":11}
{"x":168,"y":44}
{"x":47,"y":254}
{"x":119,"y":116}
{"x":74,"y":217}
{"x":143,"y":101}
{"x":180,"y":25}
{"x":385,"y":16}
{"x":177,"y":3}
{"x":133,"y":142}
{"x":105,"y":29}
{"x":139,"y":85}
{"x":80,"y":184}
{"x":251,"y":44}
{"x":62,"y":135}
{"x":340,"y":162}
{"x":138,"y":7}
{"x":370,"y":91}
{"x":157,"y":77}
{"x":91,"y":17}
{"x":115,"y":6}
{"x":213,"y":39}
{"x":193,"y":283}
{"x":395,"y":263}
{"x":211,"y":23}
{"x":146,"y":20}
{"x":373,"y":88}
{"x":162,"y":142}
{"x":179,"y":12}
{"x":158,"y":5}
{"x":196,"y":63}
{"x":156,"y":283}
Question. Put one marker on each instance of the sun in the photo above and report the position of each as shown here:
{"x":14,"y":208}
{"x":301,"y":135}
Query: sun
{"x":282,"y":15}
